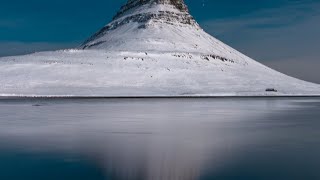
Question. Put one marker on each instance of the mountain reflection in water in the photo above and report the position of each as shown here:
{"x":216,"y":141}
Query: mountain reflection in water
{"x":168,"y":139}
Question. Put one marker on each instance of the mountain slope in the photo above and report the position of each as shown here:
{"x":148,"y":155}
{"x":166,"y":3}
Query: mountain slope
{"x":151,"y":48}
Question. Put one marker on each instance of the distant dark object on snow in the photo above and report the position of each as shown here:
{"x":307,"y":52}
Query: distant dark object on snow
{"x":36,"y":105}
{"x":271,"y":90}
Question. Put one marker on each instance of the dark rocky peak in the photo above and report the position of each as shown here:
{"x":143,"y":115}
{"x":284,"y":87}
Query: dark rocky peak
{"x":132,"y":4}
{"x":146,"y":13}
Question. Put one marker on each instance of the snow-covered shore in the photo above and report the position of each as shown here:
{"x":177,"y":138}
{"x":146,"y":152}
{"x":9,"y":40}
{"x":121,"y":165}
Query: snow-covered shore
{"x":96,"y":73}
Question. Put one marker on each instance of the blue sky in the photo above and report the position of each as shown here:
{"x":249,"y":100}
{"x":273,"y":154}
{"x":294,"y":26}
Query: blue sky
{"x":283,"y":34}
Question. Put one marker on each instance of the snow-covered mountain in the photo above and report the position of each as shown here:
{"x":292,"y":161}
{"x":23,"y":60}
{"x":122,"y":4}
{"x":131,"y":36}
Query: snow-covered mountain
{"x":151,"y":48}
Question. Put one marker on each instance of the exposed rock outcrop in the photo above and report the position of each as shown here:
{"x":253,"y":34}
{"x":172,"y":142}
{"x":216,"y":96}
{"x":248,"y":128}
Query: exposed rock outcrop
{"x":147,"y":12}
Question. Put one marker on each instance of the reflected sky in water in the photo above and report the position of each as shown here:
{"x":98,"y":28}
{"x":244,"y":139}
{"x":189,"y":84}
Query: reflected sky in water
{"x":161,"y":139}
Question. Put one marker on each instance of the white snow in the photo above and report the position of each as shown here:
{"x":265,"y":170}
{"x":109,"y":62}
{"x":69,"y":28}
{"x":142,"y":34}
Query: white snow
{"x":101,"y":73}
{"x":163,"y":59}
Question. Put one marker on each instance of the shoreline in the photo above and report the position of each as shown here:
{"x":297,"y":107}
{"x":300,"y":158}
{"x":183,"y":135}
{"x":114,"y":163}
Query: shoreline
{"x":155,"y":97}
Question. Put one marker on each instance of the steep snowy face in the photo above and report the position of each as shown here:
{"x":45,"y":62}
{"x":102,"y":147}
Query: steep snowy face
{"x":142,"y":21}
{"x":159,"y":26}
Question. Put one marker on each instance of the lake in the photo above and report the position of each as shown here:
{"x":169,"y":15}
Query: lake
{"x":160,"y":139}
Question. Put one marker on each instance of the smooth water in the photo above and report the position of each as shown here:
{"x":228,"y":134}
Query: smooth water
{"x":160,"y":139}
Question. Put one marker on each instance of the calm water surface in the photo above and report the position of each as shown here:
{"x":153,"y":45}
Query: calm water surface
{"x":160,"y":139}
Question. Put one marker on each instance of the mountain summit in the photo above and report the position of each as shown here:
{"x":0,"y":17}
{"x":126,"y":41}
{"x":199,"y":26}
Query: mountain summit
{"x":150,"y":48}
{"x":143,"y":21}
{"x":131,"y":4}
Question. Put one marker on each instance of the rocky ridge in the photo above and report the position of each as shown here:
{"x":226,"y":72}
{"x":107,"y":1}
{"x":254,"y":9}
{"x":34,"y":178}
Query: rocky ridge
{"x":146,"y":13}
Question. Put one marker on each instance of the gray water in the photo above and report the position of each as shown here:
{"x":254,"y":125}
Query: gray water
{"x":160,"y":139}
